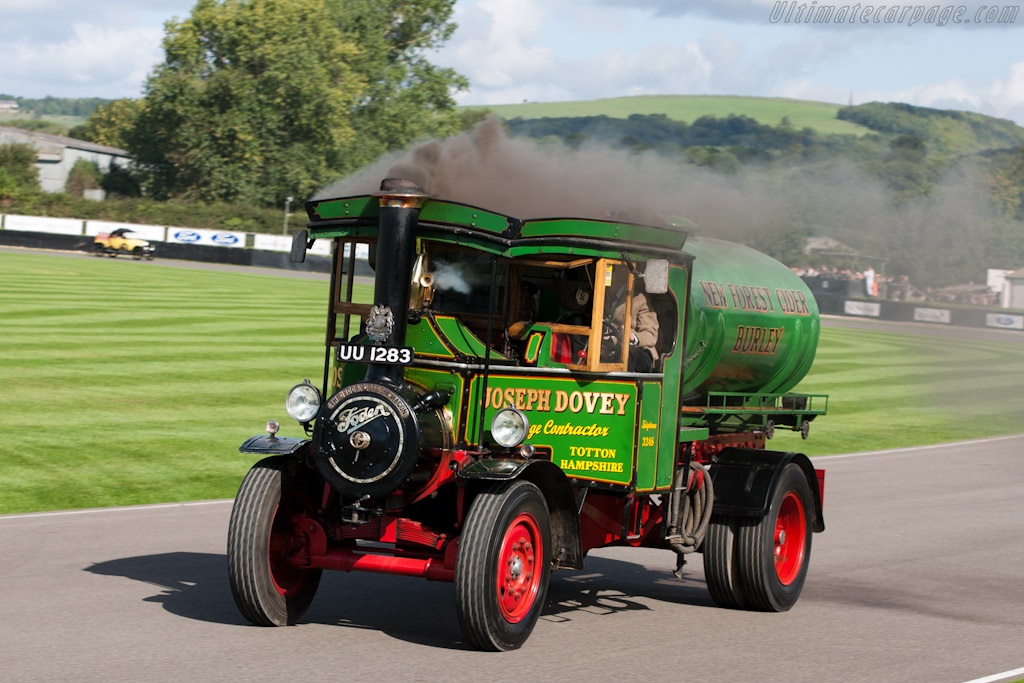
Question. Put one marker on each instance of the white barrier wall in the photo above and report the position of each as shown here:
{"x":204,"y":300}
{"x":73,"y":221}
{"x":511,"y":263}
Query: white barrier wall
{"x":159,"y":233}
{"x":153,"y":233}
{"x":56,"y":226}
{"x":210,"y":238}
{"x":284,"y":243}
{"x":272,"y":242}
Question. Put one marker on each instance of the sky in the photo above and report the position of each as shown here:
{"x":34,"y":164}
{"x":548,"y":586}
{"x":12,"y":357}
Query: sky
{"x":958,"y":56}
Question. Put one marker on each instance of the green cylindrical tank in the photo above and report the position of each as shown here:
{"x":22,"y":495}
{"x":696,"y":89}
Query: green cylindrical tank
{"x":752,"y":324}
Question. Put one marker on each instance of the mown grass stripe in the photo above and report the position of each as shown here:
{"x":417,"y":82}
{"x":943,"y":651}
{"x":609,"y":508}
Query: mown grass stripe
{"x":134,"y":383}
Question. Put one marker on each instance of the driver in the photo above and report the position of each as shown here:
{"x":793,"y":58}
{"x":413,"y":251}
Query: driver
{"x":643,"y":336}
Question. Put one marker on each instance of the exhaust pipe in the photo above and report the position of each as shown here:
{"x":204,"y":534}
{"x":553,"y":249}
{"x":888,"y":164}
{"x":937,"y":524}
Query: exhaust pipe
{"x":400,"y":204}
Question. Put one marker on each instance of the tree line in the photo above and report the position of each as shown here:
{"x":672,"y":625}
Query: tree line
{"x":259,"y":100}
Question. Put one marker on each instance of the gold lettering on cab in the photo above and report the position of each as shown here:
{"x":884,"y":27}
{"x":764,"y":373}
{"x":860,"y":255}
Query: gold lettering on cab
{"x":763,"y":341}
{"x":558,"y":401}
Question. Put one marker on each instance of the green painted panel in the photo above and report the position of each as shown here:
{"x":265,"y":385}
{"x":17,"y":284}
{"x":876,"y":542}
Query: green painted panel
{"x":571,"y":227}
{"x":366,"y":206}
{"x":649,"y":436}
{"x":461,"y":339}
{"x":462,"y":214}
{"x":424,"y":338}
{"x":443,"y":380}
{"x":589,"y":426}
{"x":346,"y":207}
{"x":677,"y":278}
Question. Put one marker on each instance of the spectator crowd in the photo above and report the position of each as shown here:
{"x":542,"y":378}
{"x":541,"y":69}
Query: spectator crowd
{"x":868,"y":283}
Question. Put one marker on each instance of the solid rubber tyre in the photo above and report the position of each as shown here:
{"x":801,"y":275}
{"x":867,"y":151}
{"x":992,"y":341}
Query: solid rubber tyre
{"x":720,"y":563}
{"x":269,"y":590}
{"x":775,"y":550}
{"x":503,"y":565}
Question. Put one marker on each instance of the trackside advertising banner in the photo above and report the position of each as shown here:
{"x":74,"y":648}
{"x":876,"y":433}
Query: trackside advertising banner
{"x":866,"y":308}
{"x":54,"y":226}
{"x":932,"y":315}
{"x":153,"y":233}
{"x":1005,"y":321}
{"x":210,"y":238}
{"x":284,"y":243}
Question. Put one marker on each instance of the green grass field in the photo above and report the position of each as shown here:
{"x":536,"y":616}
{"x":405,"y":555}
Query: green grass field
{"x":127,"y":382}
{"x":820,"y":116}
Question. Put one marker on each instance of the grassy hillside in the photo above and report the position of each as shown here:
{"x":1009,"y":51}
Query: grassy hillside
{"x":820,"y":116}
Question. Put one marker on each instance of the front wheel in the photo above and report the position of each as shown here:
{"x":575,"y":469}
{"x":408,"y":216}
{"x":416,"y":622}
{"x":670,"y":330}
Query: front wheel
{"x":268,"y":589}
{"x":774,"y":550}
{"x":503,"y":566}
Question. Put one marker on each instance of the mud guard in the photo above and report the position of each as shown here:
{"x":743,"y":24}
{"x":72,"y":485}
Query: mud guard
{"x":554,"y":485}
{"x":262,"y":444}
{"x":745,"y":478}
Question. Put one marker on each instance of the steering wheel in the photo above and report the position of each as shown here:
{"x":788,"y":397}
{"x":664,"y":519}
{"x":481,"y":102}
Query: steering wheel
{"x":611,"y":339}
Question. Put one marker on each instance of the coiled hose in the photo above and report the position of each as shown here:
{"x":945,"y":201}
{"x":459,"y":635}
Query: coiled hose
{"x":690,"y":510}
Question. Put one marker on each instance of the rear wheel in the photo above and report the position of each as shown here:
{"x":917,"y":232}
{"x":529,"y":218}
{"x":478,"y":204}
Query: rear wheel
{"x":721,"y":562}
{"x":268,"y":589}
{"x":503,"y":566}
{"x":774,"y":551}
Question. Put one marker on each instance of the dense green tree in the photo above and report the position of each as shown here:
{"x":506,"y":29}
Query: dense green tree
{"x":84,"y":175}
{"x":252,"y":102}
{"x":406,"y":98}
{"x":18,"y":174}
{"x":110,"y":124}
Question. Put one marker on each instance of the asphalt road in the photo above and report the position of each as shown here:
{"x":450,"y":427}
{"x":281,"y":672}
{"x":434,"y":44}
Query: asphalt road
{"x":918,"y":577}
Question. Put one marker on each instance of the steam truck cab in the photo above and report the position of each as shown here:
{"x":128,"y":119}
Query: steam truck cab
{"x":486,"y":415}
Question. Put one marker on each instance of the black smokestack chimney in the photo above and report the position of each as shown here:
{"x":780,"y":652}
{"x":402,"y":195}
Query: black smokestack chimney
{"x":400,"y":204}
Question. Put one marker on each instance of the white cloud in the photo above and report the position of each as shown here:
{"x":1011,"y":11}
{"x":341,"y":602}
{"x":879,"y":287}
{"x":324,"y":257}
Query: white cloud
{"x":67,"y":48}
{"x":94,"y":61}
{"x":1002,"y":97}
{"x":496,"y":51}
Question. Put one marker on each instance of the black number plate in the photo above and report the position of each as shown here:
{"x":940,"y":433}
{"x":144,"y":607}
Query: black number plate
{"x":388,"y":355}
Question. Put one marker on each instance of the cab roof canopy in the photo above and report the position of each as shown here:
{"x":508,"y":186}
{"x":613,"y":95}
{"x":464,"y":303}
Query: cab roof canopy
{"x":473,"y":226}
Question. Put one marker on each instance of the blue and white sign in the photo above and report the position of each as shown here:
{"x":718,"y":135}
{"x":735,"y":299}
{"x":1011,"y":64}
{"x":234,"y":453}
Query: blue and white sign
{"x":212,"y":238}
{"x":226,"y":239}
{"x":185,"y":236}
{"x":1005,"y":321}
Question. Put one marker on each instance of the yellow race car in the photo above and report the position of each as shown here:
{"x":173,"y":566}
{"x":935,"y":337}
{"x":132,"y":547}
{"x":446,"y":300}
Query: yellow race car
{"x":120,"y":242}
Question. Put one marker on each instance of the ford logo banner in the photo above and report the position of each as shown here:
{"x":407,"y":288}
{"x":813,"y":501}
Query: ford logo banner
{"x":1005,"y":321}
{"x":187,"y":236}
{"x":225,"y":238}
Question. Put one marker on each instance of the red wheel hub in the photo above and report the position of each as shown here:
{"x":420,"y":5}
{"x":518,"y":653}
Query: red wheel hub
{"x":288,"y":579}
{"x":519,"y":572}
{"x":790,"y":538}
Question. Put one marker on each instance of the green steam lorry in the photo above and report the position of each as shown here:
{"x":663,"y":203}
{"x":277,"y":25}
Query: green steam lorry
{"x":514,"y":393}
